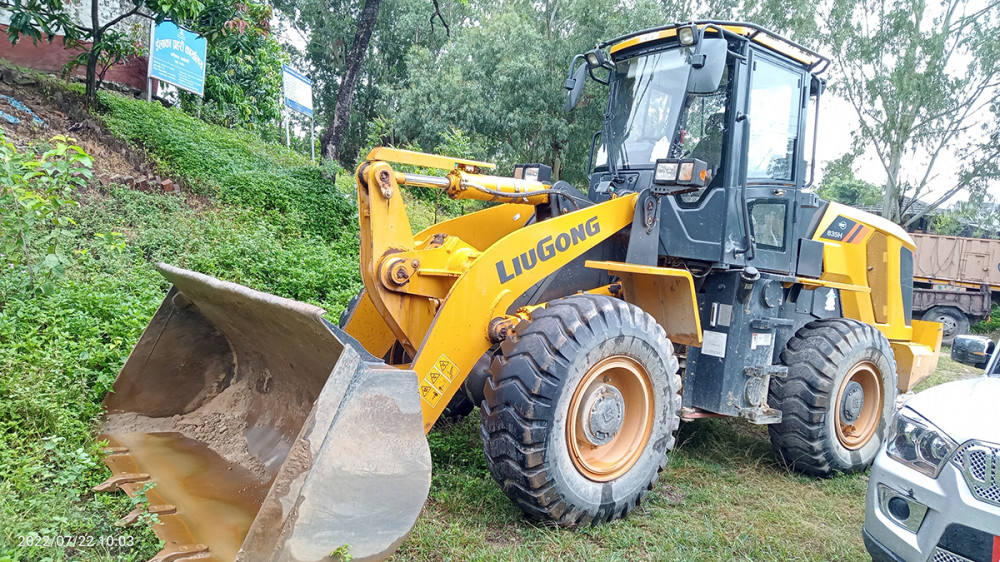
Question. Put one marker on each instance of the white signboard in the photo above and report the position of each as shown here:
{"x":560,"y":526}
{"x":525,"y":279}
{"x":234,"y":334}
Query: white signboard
{"x":297,"y":90}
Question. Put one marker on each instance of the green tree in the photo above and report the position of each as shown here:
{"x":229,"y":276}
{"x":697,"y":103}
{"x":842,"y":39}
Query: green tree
{"x":839,"y":184}
{"x":243,"y":66}
{"x":923,"y":78}
{"x":101,"y":43}
{"x":978,"y":217}
{"x":500,"y":79}
{"x":341,"y":50}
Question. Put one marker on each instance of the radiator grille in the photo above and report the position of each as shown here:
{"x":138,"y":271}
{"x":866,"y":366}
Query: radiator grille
{"x":980,"y":462}
{"x":941,"y":555}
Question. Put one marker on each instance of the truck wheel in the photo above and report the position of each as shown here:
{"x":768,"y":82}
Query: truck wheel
{"x":837,"y":399}
{"x":581,"y":409}
{"x":953,"y":321}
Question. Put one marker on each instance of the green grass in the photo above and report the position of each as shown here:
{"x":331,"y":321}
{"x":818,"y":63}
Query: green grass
{"x":948,"y":370}
{"x":236,"y":167}
{"x":723,"y":496}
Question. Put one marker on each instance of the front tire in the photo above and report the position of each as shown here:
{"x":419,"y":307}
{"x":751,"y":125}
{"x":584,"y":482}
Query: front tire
{"x":837,"y":399}
{"x":581,"y":409}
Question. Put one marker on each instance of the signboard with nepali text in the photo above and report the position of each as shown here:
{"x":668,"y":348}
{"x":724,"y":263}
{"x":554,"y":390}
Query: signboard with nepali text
{"x":298,"y":90}
{"x":177,"y":56}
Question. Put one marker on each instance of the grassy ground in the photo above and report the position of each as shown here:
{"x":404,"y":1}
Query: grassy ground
{"x":722,"y":497}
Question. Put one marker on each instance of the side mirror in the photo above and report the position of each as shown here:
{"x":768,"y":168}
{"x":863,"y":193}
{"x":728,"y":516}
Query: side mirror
{"x":972,"y":350}
{"x":707,"y":65}
{"x":575,"y":84}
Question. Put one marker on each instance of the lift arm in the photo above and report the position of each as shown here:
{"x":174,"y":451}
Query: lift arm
{"x":447,"y":300}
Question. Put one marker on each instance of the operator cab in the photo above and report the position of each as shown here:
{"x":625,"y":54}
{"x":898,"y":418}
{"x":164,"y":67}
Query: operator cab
{"x":711,"y":119}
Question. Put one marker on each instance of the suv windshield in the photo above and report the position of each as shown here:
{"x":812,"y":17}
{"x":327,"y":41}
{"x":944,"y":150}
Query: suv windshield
{"x":652,"y":116}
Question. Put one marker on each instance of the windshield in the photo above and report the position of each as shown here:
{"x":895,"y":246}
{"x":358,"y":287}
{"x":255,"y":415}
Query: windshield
{"x":652,"y":116}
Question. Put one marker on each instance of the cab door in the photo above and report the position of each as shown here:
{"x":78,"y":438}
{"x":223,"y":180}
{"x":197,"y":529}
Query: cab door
{"x":774,"y":164}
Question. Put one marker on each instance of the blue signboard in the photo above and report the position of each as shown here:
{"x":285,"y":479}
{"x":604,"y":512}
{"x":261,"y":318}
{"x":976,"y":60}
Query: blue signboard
{"x":177,"y":56}
{"x":298,"y":90}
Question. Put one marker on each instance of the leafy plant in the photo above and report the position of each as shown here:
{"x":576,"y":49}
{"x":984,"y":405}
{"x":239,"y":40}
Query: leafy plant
{"x":35,"y":191}
{"x":139,"y":500}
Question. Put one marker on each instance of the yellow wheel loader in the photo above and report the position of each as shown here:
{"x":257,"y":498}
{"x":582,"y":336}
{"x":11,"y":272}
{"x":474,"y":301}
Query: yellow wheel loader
{"x":698,"y":276}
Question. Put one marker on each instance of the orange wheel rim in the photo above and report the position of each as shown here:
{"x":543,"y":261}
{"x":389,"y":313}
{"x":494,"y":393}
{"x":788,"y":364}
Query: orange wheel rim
{"x":859,"y":405}
{"x":610,"y":418}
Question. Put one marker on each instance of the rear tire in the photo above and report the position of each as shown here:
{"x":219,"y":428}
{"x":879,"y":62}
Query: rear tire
{"x":837,"y":399}
{"x":954,"y":322}
{"x":607,"y":367}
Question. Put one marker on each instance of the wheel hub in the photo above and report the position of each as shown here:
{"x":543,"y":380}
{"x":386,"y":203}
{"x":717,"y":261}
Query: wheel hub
{"x":858,"y":405}
{"x":852,"y":402}
{"x":949,"y":326}
{"x":611,"y":415}
{"x":602,"y":414}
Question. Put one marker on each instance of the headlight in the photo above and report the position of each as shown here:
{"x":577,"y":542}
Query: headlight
{"x":665,"y":172}
{"x":916,"y":443}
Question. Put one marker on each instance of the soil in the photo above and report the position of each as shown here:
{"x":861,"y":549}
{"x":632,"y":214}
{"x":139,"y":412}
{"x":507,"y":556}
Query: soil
{"x":219,"y":423}
{"x":63,"y":112}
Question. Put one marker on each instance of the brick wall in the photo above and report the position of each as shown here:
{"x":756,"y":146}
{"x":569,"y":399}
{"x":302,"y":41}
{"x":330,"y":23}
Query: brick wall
{"x":50,"y":57}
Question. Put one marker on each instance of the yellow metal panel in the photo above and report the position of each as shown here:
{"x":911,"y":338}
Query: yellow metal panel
{"x":665,"y":293}
{"x":847,"y":261}
{"x":772,"y":42}
{"x":644,"y":38}
{"x":368,"y":327}
{"x":875,"y":221}
{"x":878,"y":271}
{"x":916,"y":360}
{"x":813,"y":283}
{"x":493,"y":282}
{"x":413,"y":158}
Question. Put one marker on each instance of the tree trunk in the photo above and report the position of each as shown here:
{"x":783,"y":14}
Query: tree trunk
{"x":95,"y":22}
{"x":334,"y":134}
{"x":92,"y":58}
{"x":893,"y":195}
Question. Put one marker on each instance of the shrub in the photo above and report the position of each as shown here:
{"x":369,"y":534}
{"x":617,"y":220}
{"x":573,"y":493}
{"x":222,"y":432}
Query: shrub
{"x":234,"y":165}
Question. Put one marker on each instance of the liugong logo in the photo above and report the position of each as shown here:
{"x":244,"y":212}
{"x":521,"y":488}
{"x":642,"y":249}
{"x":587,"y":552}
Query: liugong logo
{"x":546,"y":249}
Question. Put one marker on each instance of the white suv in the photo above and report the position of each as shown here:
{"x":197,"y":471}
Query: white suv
{"x":934,"y":489}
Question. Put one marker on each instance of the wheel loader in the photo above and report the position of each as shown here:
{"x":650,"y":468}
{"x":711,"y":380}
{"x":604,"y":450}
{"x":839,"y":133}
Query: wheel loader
{"x":696,"y":276}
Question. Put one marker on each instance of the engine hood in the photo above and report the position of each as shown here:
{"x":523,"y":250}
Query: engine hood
{"x":968,"y":409}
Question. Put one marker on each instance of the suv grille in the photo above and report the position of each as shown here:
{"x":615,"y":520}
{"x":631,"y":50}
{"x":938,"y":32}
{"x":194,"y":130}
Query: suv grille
{"x":941,"y":555}
{"x":980,"y":464}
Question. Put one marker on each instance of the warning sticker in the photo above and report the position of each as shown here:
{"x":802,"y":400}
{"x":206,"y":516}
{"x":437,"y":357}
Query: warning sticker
{"x":438,"y":380}
{"x":448,"y":368}
{"x":760,"y":340}
{"x":430,"y":394}
{"x":713,"y":343}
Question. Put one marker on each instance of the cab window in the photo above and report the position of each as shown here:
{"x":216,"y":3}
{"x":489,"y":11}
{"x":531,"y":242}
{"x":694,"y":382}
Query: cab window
{"x":775,"y":105}
{"x":767,"y":224}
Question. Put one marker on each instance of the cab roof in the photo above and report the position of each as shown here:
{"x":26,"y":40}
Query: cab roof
{"x":815,"y":62}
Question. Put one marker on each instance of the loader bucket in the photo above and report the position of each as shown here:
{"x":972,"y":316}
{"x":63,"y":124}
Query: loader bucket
{"x":258,"y":431}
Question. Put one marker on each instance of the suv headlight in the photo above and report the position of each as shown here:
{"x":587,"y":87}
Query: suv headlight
{"x":917,"y":443}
